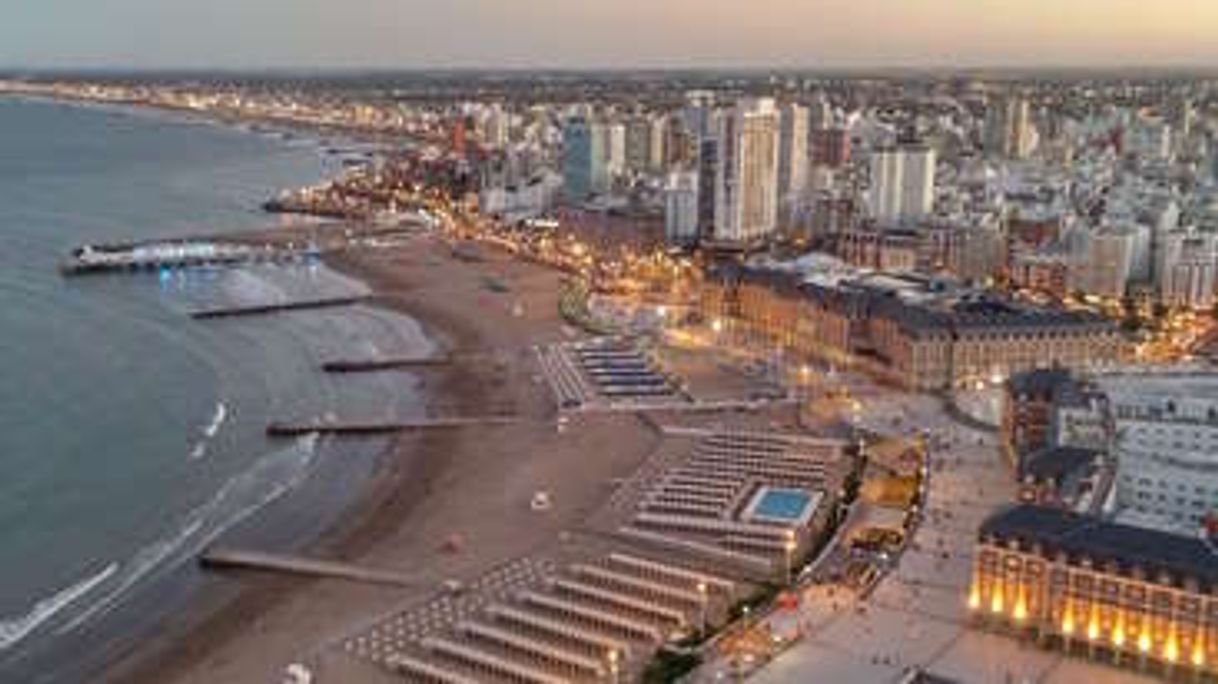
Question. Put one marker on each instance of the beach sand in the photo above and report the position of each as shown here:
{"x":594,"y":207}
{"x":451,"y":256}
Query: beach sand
{"x":474,"y":482}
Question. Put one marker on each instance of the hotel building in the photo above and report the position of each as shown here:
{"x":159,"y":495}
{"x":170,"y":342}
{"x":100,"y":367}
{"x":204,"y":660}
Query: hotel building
{"x":1165,"y":442}
{"x":1137,"y":597}
{"x":913,"y":330}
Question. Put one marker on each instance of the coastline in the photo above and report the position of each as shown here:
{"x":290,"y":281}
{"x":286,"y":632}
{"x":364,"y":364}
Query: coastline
{"x":472,"y":484}
{"x":399,"y":478}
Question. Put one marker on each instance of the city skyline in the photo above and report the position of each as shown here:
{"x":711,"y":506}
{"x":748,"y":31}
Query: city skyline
{"x":270,"y":34}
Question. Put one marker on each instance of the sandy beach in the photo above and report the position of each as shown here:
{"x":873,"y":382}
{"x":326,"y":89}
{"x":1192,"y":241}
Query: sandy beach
{"x":471,"y":484}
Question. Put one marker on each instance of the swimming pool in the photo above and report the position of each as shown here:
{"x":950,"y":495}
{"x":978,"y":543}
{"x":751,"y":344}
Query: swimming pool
{"x":775,"y":504}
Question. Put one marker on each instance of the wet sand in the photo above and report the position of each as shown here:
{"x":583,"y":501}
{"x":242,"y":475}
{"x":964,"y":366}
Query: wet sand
{"x":473,"y":483}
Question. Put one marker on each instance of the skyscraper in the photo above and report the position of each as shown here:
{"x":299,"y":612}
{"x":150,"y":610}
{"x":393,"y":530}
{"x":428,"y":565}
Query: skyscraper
{"x":792,"y":158}
{"x":708,"y":178}
{"x":884,"y":198}
{"x":746,"y":187}
{"x":830,"y":147}
{"x":584,"y":168}
{"x":1008,"y":128}
{"x":917,"y":181}
{"x":615,"y":149}
{"x":698,"y":113}
{"x":657,"y":154}
{"x":902,"y":183}
{"x":820,"y":114}
{"x":681,"y":208}
{"x":638,"y":144}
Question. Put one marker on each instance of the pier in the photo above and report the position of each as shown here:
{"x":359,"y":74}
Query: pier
{"x":239,"y":559}
{"x":264,"y":309}
{"x":279,"y":429}
{"x":156,"y":256}
{"x":383,"y":364}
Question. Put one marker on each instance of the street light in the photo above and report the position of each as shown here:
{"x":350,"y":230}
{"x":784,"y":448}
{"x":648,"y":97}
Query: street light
{"x":613,"y":667}
{"x":788,"y":549}
{"x":702,"y":605}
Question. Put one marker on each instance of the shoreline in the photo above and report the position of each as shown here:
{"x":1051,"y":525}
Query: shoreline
{"x":399,"y":477}
{"x":443,"y":507}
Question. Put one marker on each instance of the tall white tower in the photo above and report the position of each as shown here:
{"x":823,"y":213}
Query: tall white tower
{"x":902,"y":183}
{"x":746,"y":187}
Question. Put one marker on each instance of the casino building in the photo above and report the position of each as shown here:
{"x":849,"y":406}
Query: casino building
{"x":922,"y":332}
{"x":1137,"y":597}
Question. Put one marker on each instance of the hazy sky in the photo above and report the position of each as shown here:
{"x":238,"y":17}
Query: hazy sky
{"x":610,"y":33}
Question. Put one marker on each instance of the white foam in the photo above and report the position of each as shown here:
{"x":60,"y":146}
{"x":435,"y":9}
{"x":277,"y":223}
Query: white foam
{"x":266,"y":480}
{"x":16,"y":629}
{"x":209,"y":431}
{"x":217,"y":420}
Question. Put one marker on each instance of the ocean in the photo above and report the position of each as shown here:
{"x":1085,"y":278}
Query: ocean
{"x":132,"y":436}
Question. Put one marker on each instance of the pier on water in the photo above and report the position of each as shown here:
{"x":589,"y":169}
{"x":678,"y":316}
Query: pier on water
{"x":372,"y":428}
{"x":279,"y":307}
{"x":159,"y":256}
{"x":384,"y":364}
{"x":242,"y":559}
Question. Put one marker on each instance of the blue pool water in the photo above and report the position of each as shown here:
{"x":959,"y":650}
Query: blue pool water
{"x":783,"y":504}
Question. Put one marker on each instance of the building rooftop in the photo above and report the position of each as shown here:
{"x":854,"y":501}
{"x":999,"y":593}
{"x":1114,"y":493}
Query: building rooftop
{"x":1107,"y":543}
{"x":1058,"y":463}
{"x":1040,"y":382}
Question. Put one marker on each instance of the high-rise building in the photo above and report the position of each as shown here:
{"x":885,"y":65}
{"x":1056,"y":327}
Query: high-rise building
{"x":615,"y":149}
{"x":792,"y":157}
{"x":1185,"y":271}
{"x":1165,"y":436}
{"x":638,"y":144}
{"x":1149,"y":139}
{"x":1008,"y":129}
{"x":708,"y":178}
{"x":746,"y":187}
{"x":496,"y":126}
{"x":584,"y":167}
{"x":681,"y":208}
{"x":884,"y":197}
{"x":657,"y":154}
{"x":830,"y":147}
{"x":902,"y":183}
{"x":698,"y":115}
{"x":917,"y":181}
{"x":1103,"y":264}
{"x":820,"y":114}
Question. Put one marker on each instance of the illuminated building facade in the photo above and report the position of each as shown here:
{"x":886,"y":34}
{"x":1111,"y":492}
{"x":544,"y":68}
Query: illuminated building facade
{"x":903,"y":327}
{"x":1137,"y":597}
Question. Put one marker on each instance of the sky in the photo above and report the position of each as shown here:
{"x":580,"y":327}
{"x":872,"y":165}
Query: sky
{"x":408,"y":34}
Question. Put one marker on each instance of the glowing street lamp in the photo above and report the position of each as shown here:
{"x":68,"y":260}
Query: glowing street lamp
{"x":788,"y":548}
{"x":702,"y":605}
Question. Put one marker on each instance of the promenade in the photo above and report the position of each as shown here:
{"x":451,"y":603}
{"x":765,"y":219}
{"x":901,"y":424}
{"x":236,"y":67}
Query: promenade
{"x":916,"y":617}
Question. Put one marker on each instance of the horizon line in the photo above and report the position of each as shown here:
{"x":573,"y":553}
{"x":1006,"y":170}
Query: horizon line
{"x":355,"y":70}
